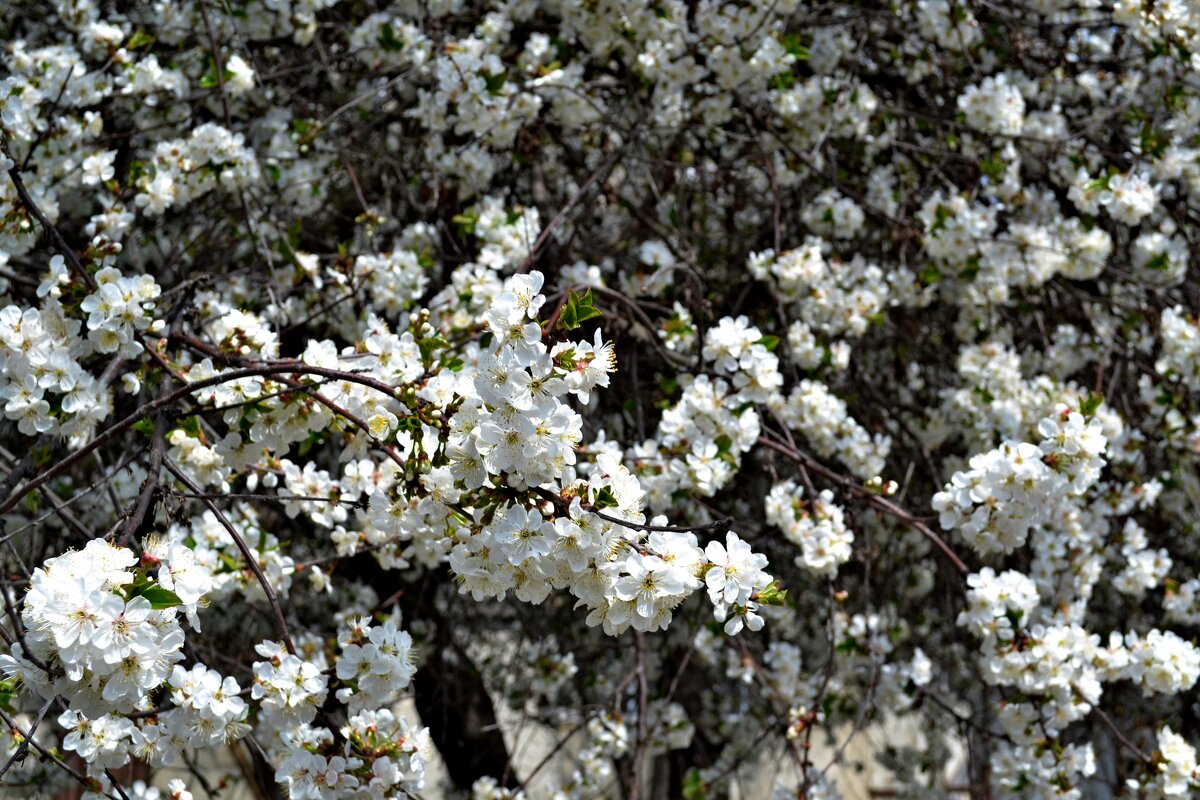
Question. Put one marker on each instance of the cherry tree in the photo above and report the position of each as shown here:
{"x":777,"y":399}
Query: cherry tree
{"x":700,"y":382}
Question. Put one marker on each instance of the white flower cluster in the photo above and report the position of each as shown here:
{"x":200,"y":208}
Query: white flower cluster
{"x":1145,"y":568}
{"x":398,"y":278}
{"x":375,"y":664}
{"x":735,"y":577}
{"x":825,"y":421}
{"x":175,"y":789}
{"x":817,"y":526}
{"x":119,"y":310}
{"x":1176,"y":771}
{"x":736,"y":349}
{"x":1162,"y":662}
{"x":43,"y":383}
{"x":1059,"y":669}
{"x":34,"y":361}
{"x":1180,"y":356}
{"x":199,"y":558}
{"x":1128,"y":197}
{"x":1182,"y":602}
{"x":832,"y":242}
{"x":383,"y":756}
{"x":995,"y":105}
{"x":701,"y":438}
{"x":207,"y":711}
{"x":835,"y":215}
{"x":834,"y":297}
{"x":1017,"y":486}
{"x":101,"y":634}
{"x":289,"y":689}
{"x":211,"y":158}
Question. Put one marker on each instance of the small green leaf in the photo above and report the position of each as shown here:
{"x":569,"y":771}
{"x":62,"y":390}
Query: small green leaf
{"x":465,"y":223}
{"x":389,"y":41}
{"x":1159,"y":263}
{"x":940,"y":215}
{"x":773,"y":595}
{"x":1090,"y":406}
{"x":139,"y":39}
{"x":577,"y":310}
{"x":783,"y":81}
{"x":792,"y":44}
{"x":992,"y":167}
{"x":158,"y":596}
{"x":8,"y":693}
{"x":971,"y":269}
{"x":769,"y":342}
{"x":693,"y":786}
{"x":494,"y":83}
{"x":605,"y":498}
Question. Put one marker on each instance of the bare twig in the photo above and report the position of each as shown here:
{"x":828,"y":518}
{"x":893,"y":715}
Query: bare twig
{"x":238,"y":540}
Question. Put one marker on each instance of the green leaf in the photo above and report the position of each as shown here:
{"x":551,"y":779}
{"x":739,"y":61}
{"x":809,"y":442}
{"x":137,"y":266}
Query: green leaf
{"x":940,"y":215}
{"x":792,"y":44}
{"x":494,"y":83}
{"x":693,"y":786}
{"x":992,"y":167}
{"x":971,"y":269}
{"x":139,"y":39}
{"x":1090,"y":406}
{"x":1159,"y":263}
{"x":465,"y":223}
{"x":773,"y":595}
{"x":782,"y":81}
{"x":389,"y":41}
{"x":8,"y":693}
{"x":158,"y":596}
{"x":314,"y":439}
{"x":577,"y":310}
{"x":769,"y":342}
{"x":605,"y":498}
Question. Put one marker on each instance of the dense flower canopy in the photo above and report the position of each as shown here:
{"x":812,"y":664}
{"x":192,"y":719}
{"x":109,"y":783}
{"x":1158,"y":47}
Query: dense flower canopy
{"x":701,"y":381}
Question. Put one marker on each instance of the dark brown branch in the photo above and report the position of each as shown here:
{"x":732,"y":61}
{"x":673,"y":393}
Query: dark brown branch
{"x":871,"y":498}
{"x":150,"y":486}
{"x":56,"y":238}
{"x":238,"y":540}
{"x":164,"y":401}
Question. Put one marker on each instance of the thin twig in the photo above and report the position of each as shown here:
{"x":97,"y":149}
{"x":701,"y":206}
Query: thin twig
{"x":276,"y":609}
{"x":19,"y":754}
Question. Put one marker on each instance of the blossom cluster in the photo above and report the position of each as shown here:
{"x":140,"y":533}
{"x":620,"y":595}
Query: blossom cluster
{"x":692,"y":382}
